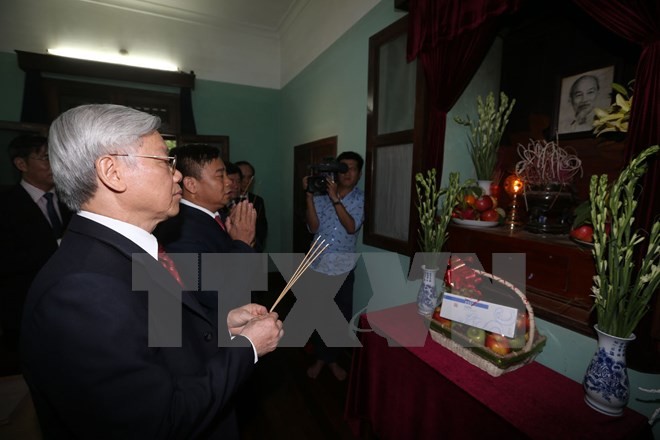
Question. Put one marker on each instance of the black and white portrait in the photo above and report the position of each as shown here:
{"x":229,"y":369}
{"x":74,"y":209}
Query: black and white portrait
{"x":580,"y":94}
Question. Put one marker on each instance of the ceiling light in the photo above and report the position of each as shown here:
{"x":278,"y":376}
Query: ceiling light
{"x":121,"y":57}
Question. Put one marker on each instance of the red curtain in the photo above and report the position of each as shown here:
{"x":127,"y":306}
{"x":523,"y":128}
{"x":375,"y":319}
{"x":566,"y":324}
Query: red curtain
{"x":639,"y":22}
{"x":450,"y":38}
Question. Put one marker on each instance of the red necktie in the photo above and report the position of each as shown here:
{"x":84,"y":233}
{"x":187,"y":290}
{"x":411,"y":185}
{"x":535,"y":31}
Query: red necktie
{"x":218,"y":220}
{"x":168,"y":264}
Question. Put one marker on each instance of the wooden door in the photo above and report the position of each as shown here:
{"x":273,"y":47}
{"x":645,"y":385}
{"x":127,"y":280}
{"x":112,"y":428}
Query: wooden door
{"x":303,"y":156}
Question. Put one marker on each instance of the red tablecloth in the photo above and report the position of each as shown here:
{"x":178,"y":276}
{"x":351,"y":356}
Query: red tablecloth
{"x":428,"y":392}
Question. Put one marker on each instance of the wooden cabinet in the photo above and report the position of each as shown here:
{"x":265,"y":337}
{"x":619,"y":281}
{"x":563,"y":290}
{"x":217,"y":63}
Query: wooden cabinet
{"x":558,"y":272}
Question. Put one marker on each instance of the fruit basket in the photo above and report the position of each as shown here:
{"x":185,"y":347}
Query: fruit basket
{"x":483,"y":357}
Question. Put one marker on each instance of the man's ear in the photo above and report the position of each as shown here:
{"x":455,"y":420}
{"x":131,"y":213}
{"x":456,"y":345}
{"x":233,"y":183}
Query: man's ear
{"x":110,"y":174}
{"x":21,"y":164}
{"x":189,"y":184}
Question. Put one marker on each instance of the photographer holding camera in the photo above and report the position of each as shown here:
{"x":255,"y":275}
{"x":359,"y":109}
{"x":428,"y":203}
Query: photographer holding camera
{"x":335,"y":213}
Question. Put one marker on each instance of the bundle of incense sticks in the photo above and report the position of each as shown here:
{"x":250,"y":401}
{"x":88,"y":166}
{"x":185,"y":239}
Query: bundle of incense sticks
{"x":244,"y":194}
{"x":313,"y":253}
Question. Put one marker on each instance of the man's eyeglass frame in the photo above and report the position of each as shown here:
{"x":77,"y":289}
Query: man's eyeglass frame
{"x":170,"y":159}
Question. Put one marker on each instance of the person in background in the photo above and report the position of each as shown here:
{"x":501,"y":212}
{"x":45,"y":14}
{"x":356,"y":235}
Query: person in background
{"x":336,"y":216}
{"x":86,"y":342}
{"x":234,"y":187}
{"x":234,"y":174}
{"x":247,"y":182}
{"x":32,"y":222}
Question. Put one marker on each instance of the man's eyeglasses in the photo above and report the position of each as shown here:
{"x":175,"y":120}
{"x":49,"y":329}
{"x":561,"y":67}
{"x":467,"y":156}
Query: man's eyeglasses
{"x":170,"y":159}
{"x":41,"y":158}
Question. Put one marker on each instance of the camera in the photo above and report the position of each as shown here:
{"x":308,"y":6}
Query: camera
{"x":329,"y":168}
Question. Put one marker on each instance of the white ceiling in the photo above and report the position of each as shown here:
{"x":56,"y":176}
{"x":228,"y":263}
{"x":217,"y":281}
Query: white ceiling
{"x":263,"y":43}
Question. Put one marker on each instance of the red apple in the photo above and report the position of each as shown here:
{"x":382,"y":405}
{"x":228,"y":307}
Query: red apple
{"x":494,"y":189}
{"x":490,"y":216}
{"x":498,"y":344}
{"x":484,"y":203}
{"x":469,"y":214}
{"x":583,"y":233}
{"x":444,"y":322}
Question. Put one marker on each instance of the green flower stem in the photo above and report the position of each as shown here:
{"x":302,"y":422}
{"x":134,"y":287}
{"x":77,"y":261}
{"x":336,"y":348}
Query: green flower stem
{"x":433,"y":228}
{"x":621,"y":293}
{"x":486,"y":134}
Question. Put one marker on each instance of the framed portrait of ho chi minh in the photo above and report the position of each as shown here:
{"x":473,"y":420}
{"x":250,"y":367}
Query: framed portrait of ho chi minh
{"x":579,"y":95}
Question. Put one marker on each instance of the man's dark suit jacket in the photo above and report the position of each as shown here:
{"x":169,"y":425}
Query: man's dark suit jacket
{"x":86,"y":357}
{"x":27,"y":242}
{"x":262,"y":222}
{"x":194,"y":231}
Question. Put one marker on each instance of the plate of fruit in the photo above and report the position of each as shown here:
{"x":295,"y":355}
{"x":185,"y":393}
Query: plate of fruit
{"x":474,"y":223}
{"x":477,"y":210}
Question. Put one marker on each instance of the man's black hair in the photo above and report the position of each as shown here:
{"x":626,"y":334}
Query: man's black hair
{"x":351,"y":155}
{"x":245,"y":162}
{"x":233,"y":168}
{"x":26,"y":144}
{"x":191,"y":158}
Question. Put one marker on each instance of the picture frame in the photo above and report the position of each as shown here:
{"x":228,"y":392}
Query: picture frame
{"x":579,"y":95}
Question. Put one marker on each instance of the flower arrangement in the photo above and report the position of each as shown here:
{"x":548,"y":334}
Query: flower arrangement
{"x":545,"y":163}
{"x":615,"y":117}
{"x":487,"y":132}
{"x":621,"y":293}
{"x":433,"y":225}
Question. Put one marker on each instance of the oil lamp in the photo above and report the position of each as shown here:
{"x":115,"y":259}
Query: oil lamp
{"x":513,"y":185}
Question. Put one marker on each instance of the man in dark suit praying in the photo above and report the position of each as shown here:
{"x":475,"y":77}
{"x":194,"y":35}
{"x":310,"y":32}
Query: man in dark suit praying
{"x":198,"y":227}
{"x":32,"y":222}
{"x":87,"y":336}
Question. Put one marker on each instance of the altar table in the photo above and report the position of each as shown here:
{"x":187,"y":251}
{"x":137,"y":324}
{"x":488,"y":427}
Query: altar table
{"x":398,"y":391}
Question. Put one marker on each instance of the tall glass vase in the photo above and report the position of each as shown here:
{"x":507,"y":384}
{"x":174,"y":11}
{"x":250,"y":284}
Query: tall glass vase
{"x":606,"y":384}
{"x":427,"y":297}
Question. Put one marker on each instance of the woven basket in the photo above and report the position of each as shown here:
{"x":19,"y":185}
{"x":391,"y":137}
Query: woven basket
{"x":484,"y":358}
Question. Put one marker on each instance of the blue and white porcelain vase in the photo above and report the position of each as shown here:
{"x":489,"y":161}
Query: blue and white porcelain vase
{"x":427,"y":297}
{"x":606,"y":384}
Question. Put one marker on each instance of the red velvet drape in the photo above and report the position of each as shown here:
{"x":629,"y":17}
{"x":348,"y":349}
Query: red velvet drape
{"x":451,"y":39}
{"x":639,"y":22}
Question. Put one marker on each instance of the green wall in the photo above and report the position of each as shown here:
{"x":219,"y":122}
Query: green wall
{"x":11,"y":82}
{"x":250,"y":117}
{"x":11,"y":87}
